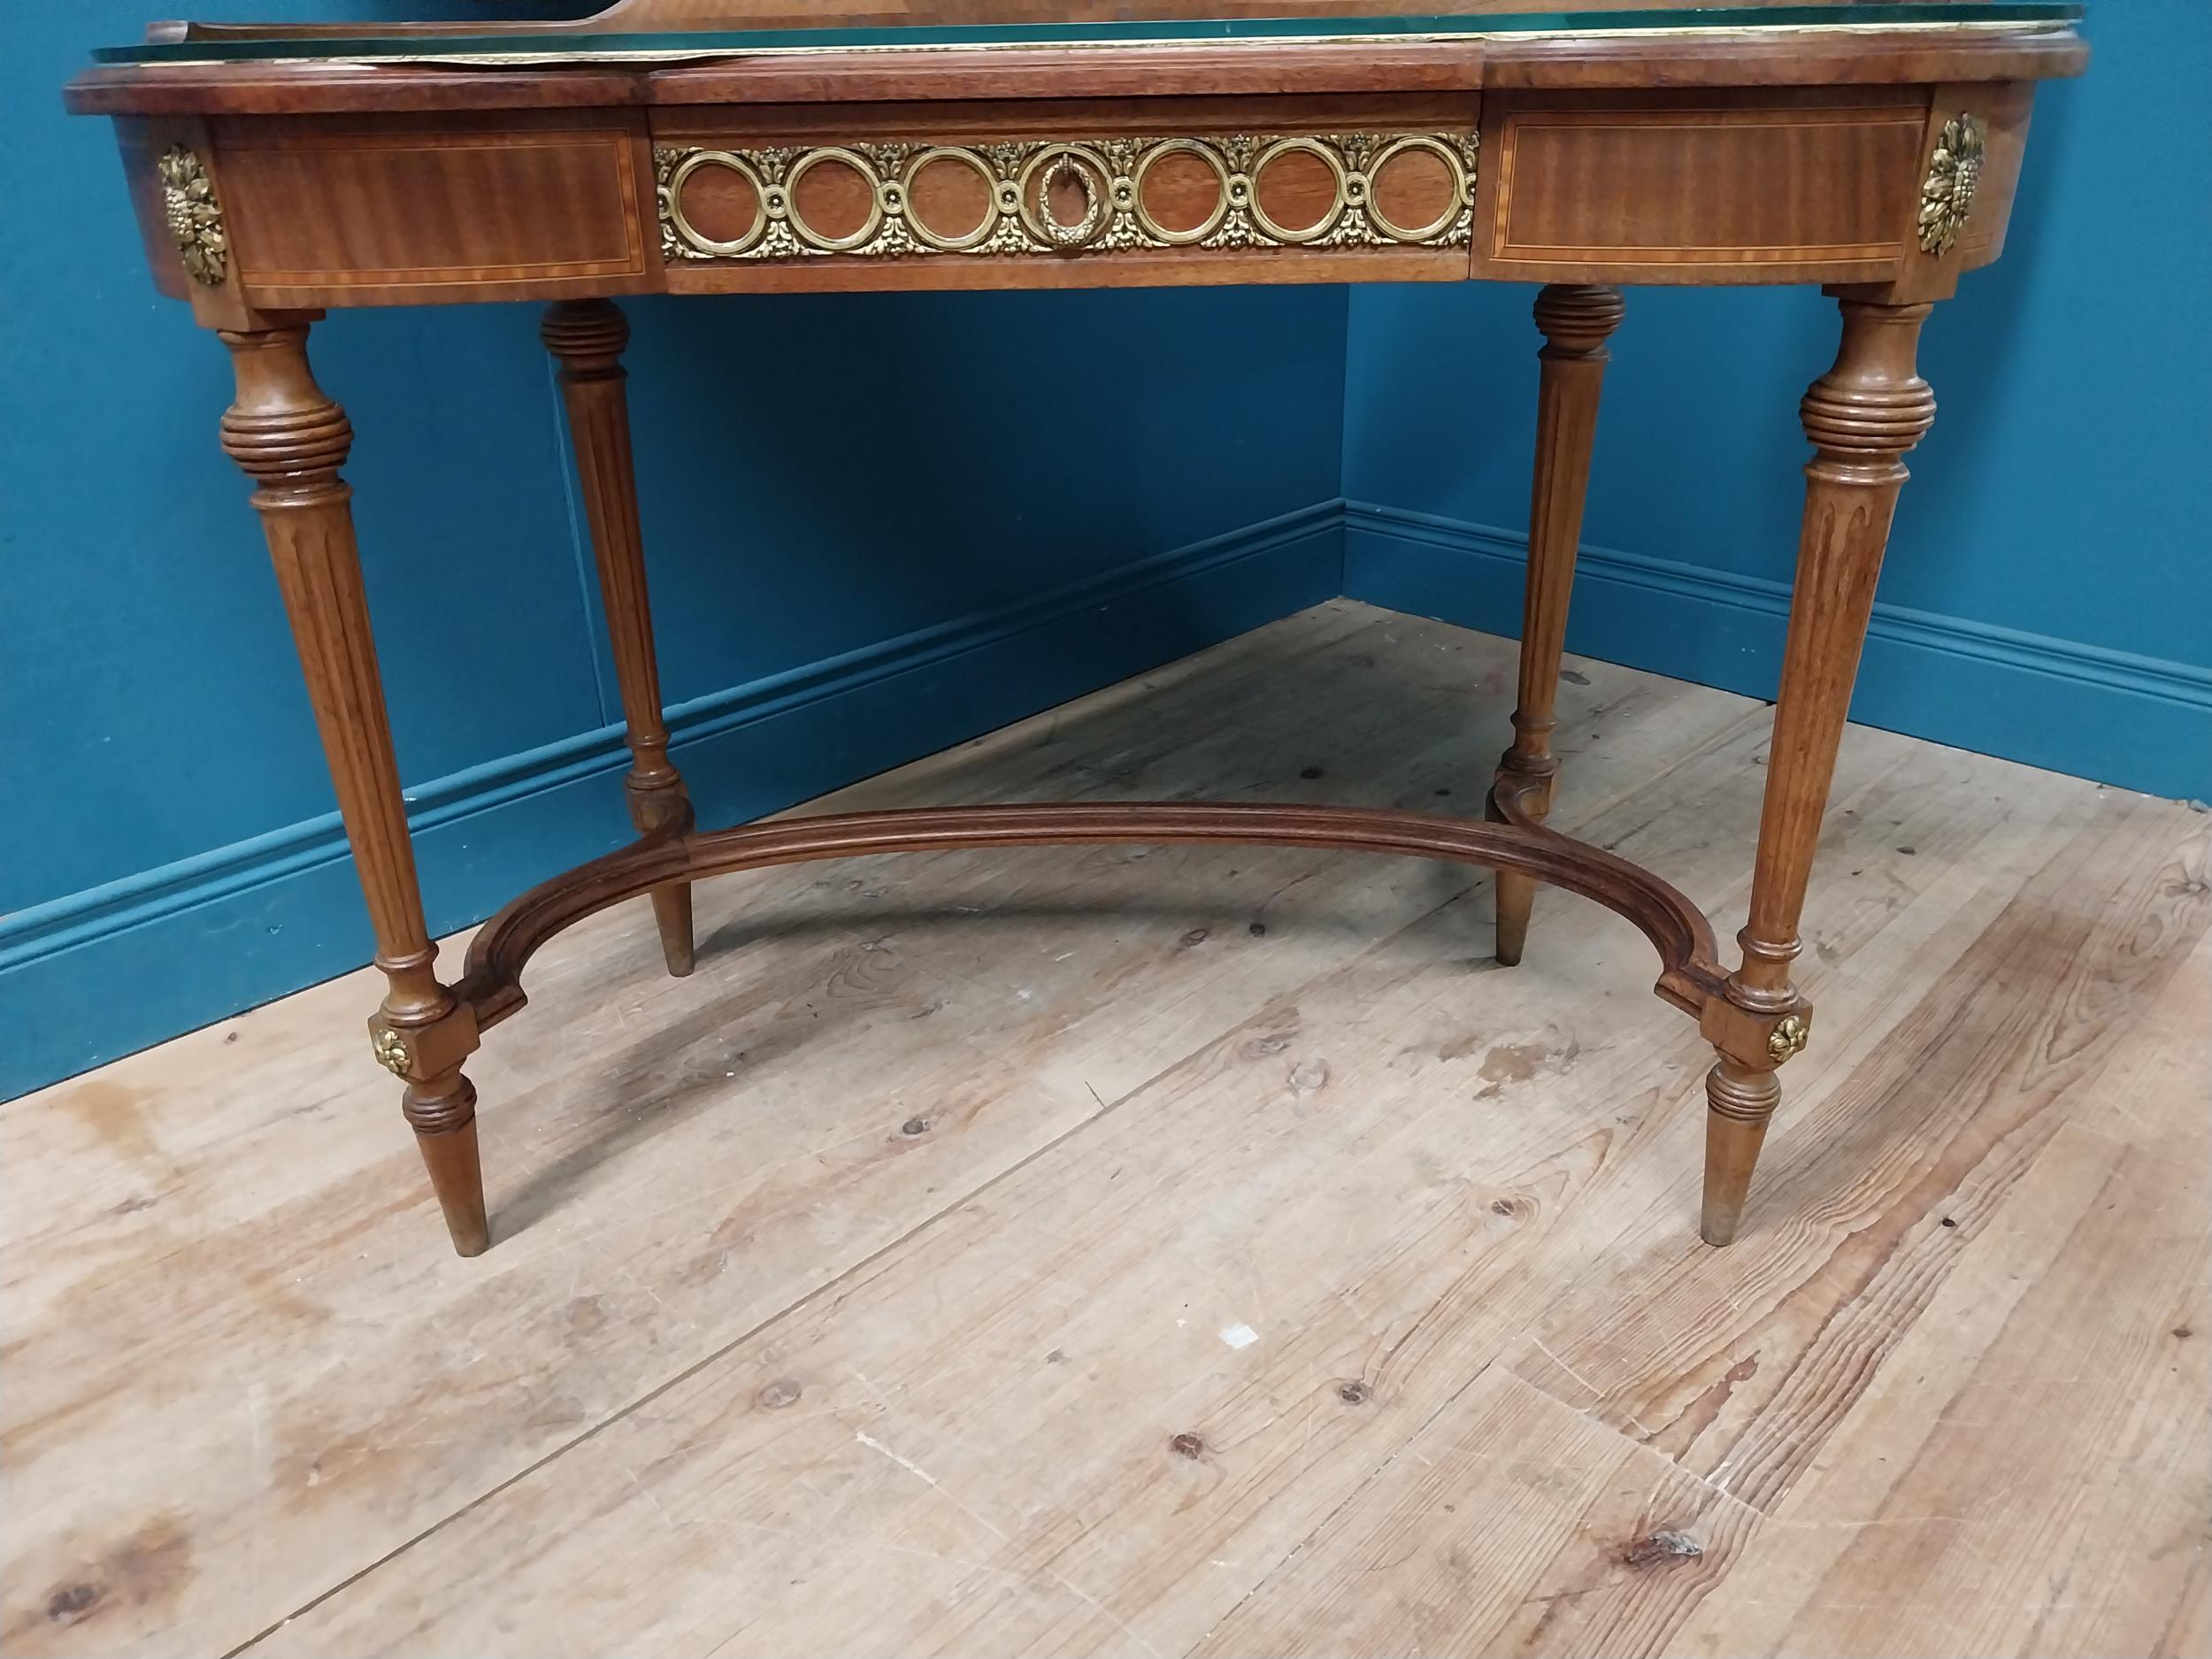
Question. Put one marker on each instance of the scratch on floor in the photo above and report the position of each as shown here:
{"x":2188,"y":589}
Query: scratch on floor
{"x":1537,"y":1344}
{"x":917,"y":1471}
{"x":1634,"y":1422}
{"x":630,"y":1473}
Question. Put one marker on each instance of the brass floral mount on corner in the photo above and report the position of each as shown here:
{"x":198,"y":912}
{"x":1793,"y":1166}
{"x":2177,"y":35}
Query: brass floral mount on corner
{"x":1108,"y":176}
{"x":391,"y":1051}
{"x":1788,"y":1037}
{"x":196,"y":217}
{"x":1955,"y":172}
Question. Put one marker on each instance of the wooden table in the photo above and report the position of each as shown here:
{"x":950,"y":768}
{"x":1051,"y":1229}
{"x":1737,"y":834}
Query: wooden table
{"x":720,"y":146}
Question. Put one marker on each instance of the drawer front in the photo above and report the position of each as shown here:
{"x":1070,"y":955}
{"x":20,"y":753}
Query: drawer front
{"x":1676,"y":188}
{"x":1068,"y":192}
{"x":327,"y":210}
{"x":1079,"y":198}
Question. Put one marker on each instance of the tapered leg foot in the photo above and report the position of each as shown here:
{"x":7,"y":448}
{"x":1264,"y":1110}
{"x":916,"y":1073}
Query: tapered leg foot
{"x":1861,"y":416}
{"x":1516,"y":898}
{"x":1739,"y":1103}
{"x":443,"y":1113}
{"x":672,"y":911}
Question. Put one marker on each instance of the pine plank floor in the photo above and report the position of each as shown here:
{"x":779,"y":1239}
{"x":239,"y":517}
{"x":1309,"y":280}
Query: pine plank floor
{"x":1183,"y":1251}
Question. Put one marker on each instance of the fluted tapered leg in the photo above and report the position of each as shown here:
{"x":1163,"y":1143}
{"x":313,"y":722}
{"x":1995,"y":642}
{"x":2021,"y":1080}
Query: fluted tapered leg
{"x":1861,"y":416}
{"x":586,"y":338}
{"x":291,"y":440}
{"x":1575,"y":322}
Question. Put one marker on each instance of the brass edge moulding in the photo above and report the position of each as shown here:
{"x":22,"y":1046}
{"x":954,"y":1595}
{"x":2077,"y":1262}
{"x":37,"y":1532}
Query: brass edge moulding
{"x":1108,"y":175}
{"x":1955,"y":172}
{"x":194,"y":216}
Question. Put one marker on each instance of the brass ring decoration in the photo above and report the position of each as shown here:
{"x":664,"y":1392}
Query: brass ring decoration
{"x":1205,"y":153}
{"x":671,"y":203}
{"x":1274,"y":152}
{"x":1463,"y":193}
{"x":1055,"y":161}
{"x":805,"y":232}
{"x":960,"y":157}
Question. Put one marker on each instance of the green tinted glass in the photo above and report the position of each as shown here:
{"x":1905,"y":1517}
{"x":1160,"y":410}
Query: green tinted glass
{"x":706,"y":43}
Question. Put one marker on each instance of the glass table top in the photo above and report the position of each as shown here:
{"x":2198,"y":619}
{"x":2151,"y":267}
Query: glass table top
{"x":553,"y":44}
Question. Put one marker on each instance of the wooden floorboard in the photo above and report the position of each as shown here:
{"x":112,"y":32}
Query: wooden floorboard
{"x":1181,"y":1251}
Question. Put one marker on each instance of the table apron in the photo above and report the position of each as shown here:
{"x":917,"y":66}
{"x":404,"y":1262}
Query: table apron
{"x":1706,"y":185}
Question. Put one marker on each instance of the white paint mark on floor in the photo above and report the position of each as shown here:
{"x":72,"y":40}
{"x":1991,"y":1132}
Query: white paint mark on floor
{"x":907,"y":1463}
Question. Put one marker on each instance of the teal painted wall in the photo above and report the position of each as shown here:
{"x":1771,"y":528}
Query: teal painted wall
{"x":2048,"y":591}
{"x":876,"y":525}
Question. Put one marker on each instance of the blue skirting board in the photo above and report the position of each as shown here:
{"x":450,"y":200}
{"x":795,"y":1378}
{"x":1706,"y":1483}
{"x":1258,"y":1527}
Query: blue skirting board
{"x":2135,"y":721}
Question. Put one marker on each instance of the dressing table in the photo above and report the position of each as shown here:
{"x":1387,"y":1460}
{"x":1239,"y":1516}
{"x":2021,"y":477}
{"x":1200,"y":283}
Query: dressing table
{"x":719,"y":146}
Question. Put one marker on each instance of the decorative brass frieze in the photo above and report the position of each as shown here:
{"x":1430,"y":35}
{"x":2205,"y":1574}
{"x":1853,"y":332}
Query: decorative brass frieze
{"x":1106,"y":176}
{"x":1955,"y":172}
{"x":1787,"y":1038}
{"x":391,"y":1050}
{"x":196,"y":217}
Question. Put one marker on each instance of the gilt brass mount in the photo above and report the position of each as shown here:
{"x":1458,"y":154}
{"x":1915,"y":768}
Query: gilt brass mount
{"x":1108,"y":174}
{"x":1955,"y":173}
{"x":1787,"y":1038}
{"x":391,"y":1051}
{"x":196,"y":217}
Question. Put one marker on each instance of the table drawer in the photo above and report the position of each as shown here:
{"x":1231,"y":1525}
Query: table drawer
{"x":1081,"y":199}
{"x":327,"y":210}
{"x":1792,"y":185}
